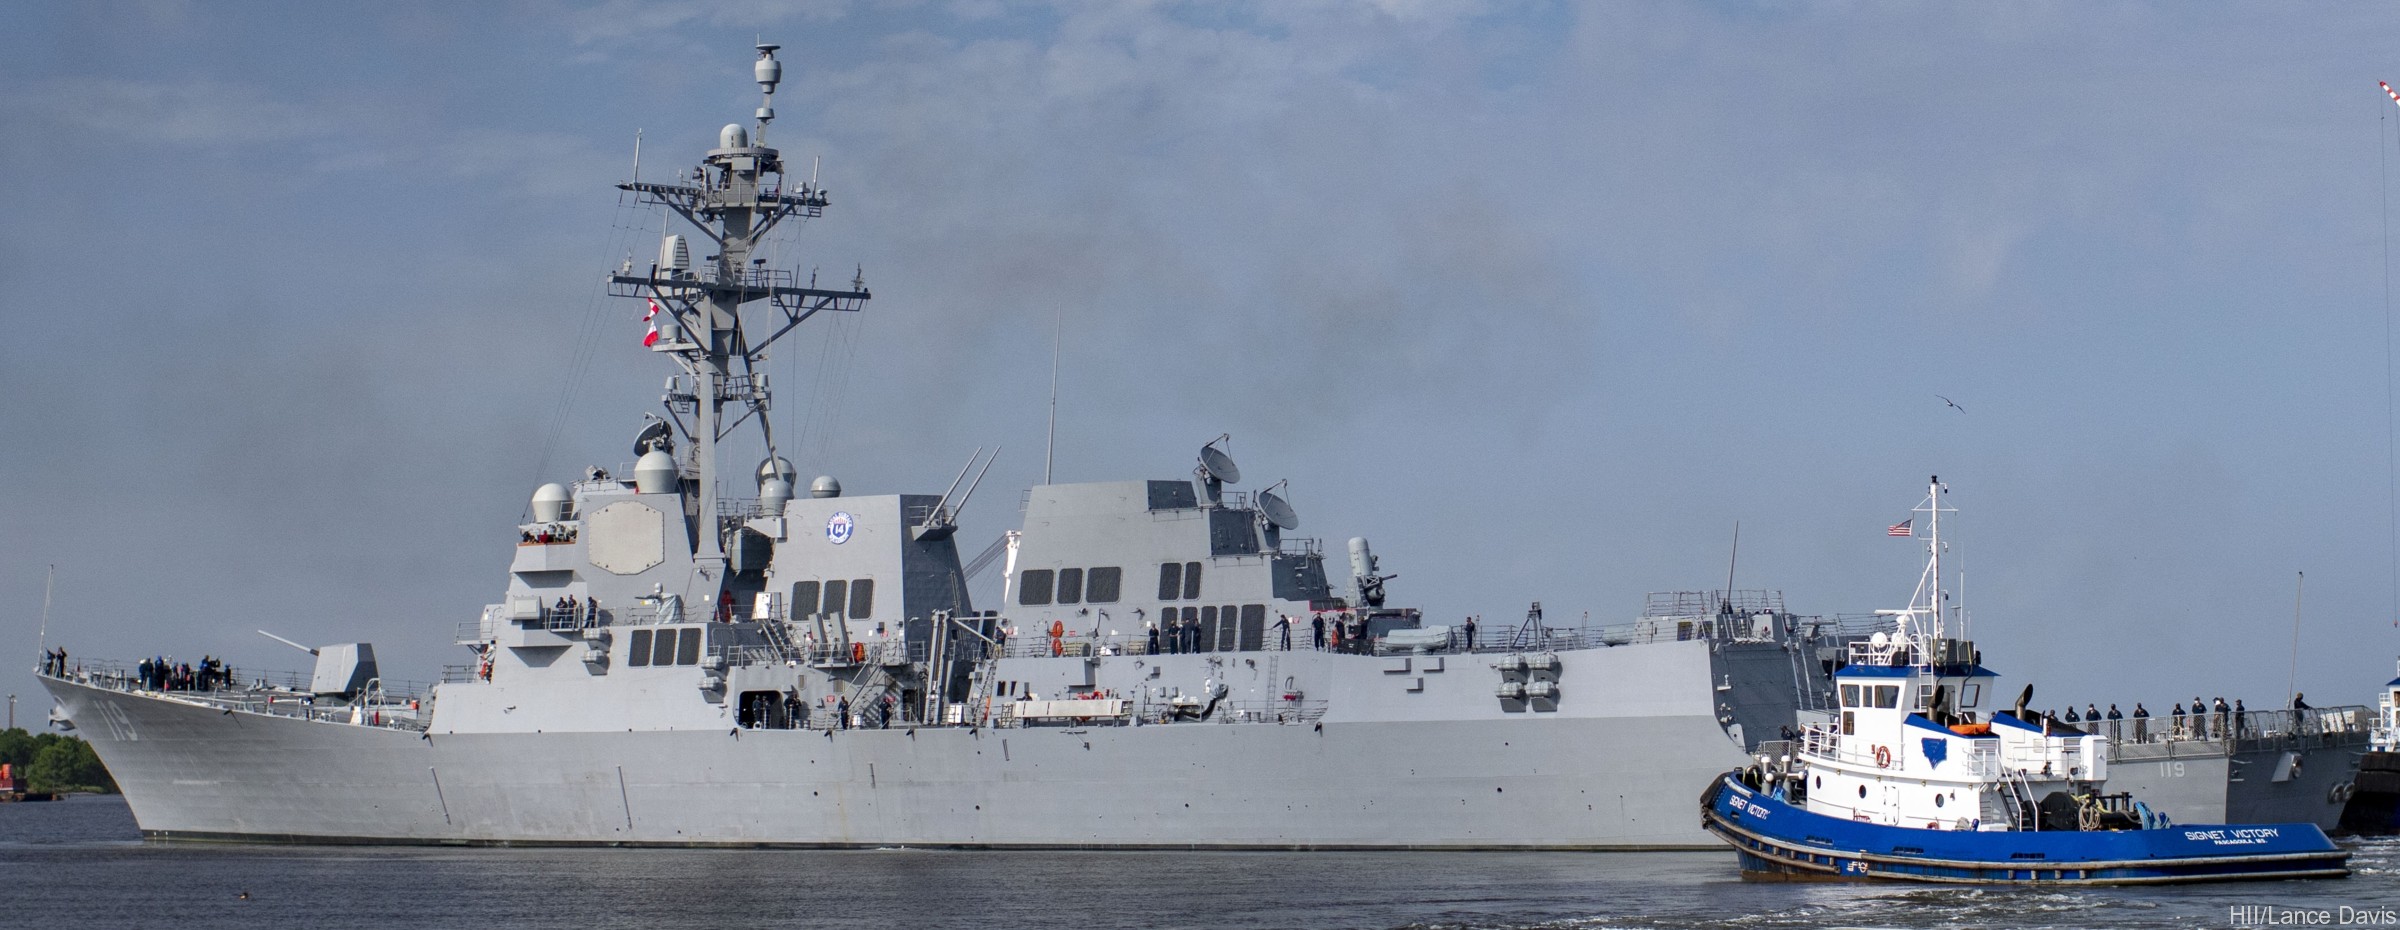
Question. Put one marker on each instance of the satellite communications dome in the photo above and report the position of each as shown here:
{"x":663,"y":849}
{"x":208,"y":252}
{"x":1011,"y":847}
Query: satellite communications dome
{"x":733,"y":136}
{"x":654,"y":473}
{"x":777,"y":467}
{"x":772,"y":494}
{"x":549,"y":502}
{"x":824,"y":486}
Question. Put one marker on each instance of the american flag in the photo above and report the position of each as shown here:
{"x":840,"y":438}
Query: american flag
{"x":1900,"y":528}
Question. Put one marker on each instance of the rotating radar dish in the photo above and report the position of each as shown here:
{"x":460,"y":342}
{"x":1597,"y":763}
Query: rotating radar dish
{"x":1218,"y":464}
{"x":1278,"y":511}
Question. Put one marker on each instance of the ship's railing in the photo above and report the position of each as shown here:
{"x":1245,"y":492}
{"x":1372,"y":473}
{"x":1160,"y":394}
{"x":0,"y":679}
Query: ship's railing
{"x":1271,"y":711}
{"x":2212,"y":732}
{"x":887,"y":651}
{"x":1667,"y":629}
{"x":1162,"y":714}
{"x":1686,"y":604}
{"x":756,"y":277}
{"x":394,"y":704}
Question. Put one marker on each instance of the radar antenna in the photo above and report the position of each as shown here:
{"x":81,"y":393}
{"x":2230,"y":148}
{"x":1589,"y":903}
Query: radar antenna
{"x":1216,"y":471}
{"x":739,"y":193}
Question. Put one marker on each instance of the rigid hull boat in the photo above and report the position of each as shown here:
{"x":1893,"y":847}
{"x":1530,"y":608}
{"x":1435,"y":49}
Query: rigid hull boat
{"x":668,"y":666}
{"x":1922,"y":778}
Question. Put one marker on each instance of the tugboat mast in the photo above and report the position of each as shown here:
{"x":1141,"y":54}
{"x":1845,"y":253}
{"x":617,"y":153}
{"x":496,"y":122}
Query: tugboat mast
{"x":734,"y":198}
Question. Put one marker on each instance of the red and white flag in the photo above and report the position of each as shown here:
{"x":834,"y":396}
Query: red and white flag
{"x":652,"y":319}
{"x":1900,"y":528}
{"x":653,"y":314}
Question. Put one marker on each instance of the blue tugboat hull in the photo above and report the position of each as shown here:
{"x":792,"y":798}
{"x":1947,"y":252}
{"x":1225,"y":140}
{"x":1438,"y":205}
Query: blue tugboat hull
{"x":1777,"y":841}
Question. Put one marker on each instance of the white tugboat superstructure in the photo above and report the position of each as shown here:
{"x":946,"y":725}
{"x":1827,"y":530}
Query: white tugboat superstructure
{"x":1921,"y":777}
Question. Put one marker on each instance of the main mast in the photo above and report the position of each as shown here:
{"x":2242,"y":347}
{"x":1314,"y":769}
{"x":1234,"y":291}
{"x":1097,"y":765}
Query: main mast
{"x":737,"y":194}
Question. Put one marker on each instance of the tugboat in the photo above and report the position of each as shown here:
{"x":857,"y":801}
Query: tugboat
{"x":1916,"y":781}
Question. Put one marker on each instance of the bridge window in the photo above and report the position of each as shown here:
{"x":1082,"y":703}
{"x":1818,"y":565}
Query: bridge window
{"x":1191,"y":581}
{"x":1849,"y":695}
{"x":1973,"y":695}
{"x":862,"y":598}
{"x":1070,"y":585}
{"x":1254,"y":627}
{"x":837,"y":596}
{"x":1887,"y":696}
{"x":687,"y":652}
{"x":663,"y":651}
{"x":1170,"y":581}
{"x":1100,"y":585}
{"x":1033,"y":587}
{"x":804,"y":597}
{"x":637,"y":653}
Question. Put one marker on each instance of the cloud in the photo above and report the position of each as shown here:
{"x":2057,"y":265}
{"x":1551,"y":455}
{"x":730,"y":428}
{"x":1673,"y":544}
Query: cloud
{"x":191,"y":113}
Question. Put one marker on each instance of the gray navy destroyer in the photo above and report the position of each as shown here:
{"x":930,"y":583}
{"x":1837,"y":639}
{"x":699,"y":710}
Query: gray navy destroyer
{"x":672,"y":666}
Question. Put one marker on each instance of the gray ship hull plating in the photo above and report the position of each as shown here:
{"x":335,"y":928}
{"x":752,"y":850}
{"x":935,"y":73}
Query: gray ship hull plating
{"x":2201,"y":782}
{"x":192,"y":771}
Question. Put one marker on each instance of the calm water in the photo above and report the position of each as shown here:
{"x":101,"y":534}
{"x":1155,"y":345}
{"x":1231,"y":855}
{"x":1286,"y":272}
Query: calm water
{"x":79,"y":863}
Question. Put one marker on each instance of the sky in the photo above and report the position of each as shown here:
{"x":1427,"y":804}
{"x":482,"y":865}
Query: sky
{"x":304,"y":301}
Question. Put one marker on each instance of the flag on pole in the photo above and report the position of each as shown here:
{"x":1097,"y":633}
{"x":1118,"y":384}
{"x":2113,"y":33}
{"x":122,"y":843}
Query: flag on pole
{"x":1901,"y":528}
{"x":652,"y":338}
{"x":652,"y":319}
{"x":653,"y":314}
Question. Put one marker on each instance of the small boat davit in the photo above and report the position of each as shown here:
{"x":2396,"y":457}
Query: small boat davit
{"x":1915,"y":780}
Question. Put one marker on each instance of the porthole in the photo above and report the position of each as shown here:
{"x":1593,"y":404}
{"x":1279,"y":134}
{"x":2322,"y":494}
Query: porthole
{"x":1862,"y":791}
{"x":1937,"y":800}
{"x":1820,"y":782}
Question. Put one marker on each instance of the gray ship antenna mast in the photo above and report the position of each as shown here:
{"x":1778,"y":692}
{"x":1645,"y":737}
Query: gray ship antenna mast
{"x":47,"y":579}
{"x":738,"y":194}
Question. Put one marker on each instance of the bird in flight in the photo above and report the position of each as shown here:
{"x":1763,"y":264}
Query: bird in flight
{"x":1953,"y":404}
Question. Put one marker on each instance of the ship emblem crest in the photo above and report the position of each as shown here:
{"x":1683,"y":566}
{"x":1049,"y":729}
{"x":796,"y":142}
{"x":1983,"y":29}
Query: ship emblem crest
{"x":838,"y":529}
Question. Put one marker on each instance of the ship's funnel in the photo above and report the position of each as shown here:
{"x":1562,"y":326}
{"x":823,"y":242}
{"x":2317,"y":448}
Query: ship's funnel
{"x":654,"y":473}
{"x":550,"y":502}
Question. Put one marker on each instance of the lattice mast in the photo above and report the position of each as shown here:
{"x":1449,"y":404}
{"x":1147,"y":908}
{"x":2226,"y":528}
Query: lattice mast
{"x":737,"y":194}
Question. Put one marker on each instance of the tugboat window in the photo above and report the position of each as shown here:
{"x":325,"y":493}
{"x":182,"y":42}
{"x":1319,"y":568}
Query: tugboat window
{"x":1887,"y":696}
{"x":1033,"y":587}
{"x":1070,"y":585}
{"x":1849,"y":695}
{"x":1170,"y":581}
{"x":1972,"y":694}
{"x":862,"y":598}
{"x":1100,"y":585}
{"x":638,"y":653}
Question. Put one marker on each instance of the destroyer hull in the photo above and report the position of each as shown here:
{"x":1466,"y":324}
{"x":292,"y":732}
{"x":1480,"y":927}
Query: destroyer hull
{"x":1619,"y":783}
{"x":2203,"y":782}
